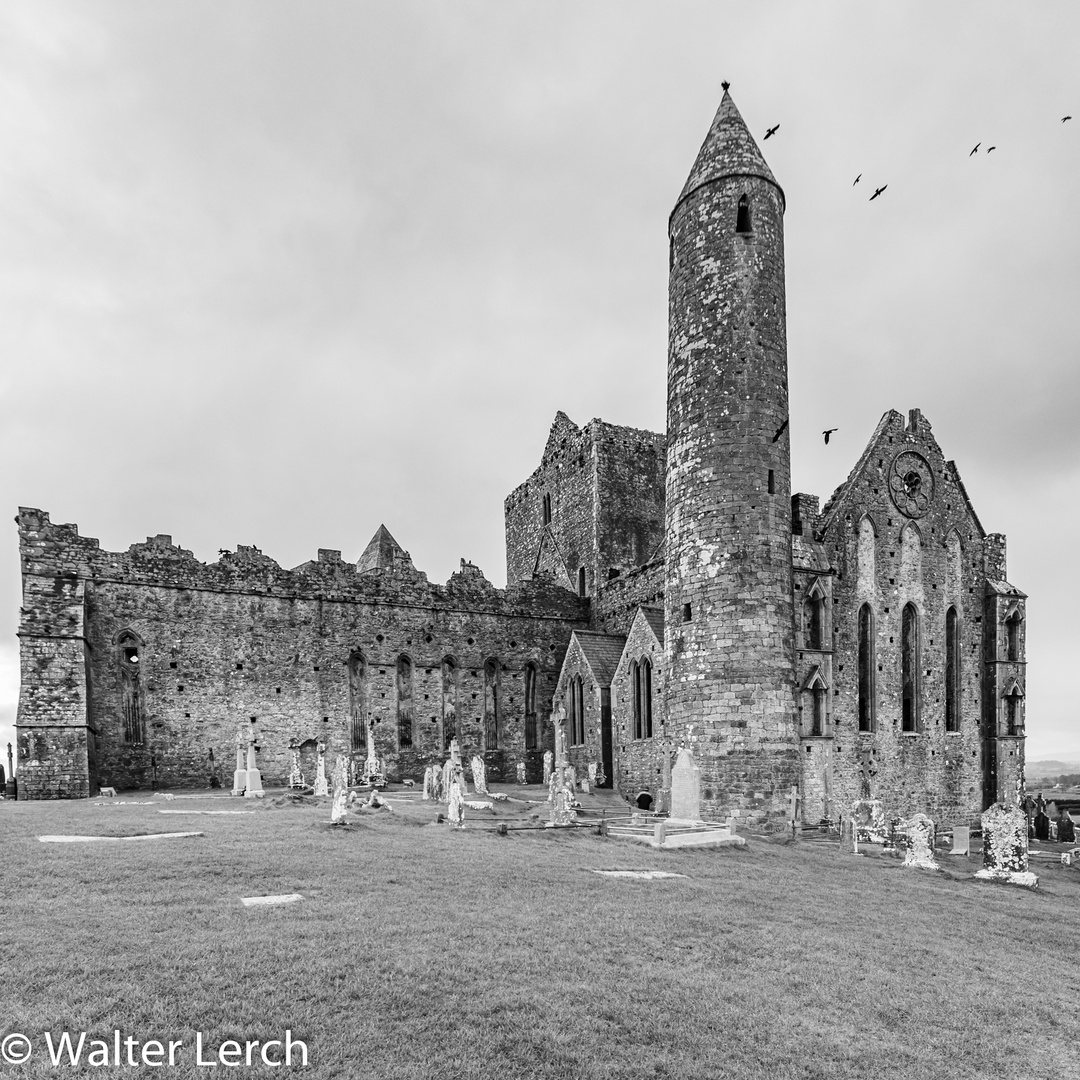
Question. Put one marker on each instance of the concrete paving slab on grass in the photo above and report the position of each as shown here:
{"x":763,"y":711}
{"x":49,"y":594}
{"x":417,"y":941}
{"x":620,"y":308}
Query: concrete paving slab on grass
{"x":270,"y":901}
{"x":109,"y":839}
{"x":645,"y":875}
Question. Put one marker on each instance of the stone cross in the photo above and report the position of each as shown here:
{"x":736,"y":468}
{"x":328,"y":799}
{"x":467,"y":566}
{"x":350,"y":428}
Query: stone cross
{"x":521,"y":777}
{"x":372,"y":766}
{"x":10,"y":766}
{"x":296,"y":777}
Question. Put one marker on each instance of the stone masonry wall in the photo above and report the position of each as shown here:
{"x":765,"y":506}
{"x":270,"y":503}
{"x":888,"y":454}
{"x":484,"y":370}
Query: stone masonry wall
{"x":728,"y":596}
{"x":927,"y":550}
{"x":243,"y":638}
{"x":639,"y":762}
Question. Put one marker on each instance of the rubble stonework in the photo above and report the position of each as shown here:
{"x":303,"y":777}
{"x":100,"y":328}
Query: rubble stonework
{"x":871,"y":651}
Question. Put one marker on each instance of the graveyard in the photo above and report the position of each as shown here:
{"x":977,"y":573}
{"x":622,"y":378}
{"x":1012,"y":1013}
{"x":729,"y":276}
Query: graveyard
{"x":416,"y":946}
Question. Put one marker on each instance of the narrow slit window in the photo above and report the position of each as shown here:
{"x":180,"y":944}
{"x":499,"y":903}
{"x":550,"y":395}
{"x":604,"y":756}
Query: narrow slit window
{"x":581,"y":581}
{"x":547,"y":509}
{"x":909,"y":668}
{"x":952,"y":670}
{"x":772,"y":482}
{"x":743,"y":222}
{"x":866,"y":669}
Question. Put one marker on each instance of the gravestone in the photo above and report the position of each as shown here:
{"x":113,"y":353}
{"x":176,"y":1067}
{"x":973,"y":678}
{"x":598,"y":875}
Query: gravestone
{"x":1066,"y":829}
{"x":431,"y":783}
{"x":521,"y":776}
{"x":254,"y":788}
{"x":239,"y":782}
{"x":686,"y":787}
{"x":341,"y":791}
{"x":961,"y":840}
{"x":296,"y":777}
{"x":320,"y":773}
{"x":479,"y":775}
{"x":868,"y":822}
{"x":570,"y":778}
{"x":455,"y":810}
{"x":1042,"y":826}
{"x":1005,"y":846}
{"x":549,"y":761}
{"x":919,"y":840}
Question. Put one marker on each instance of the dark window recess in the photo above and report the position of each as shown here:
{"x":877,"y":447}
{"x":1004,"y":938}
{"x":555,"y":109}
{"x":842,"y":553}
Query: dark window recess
{"x":772,"y":482}
{"x":686,"y":613}
{"x":581,"y":581}
{"x":547,"y":509}
{"x":743,"y":222}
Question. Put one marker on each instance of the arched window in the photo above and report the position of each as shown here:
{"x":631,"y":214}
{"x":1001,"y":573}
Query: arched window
{"x":1013,"y":702}
{"x":532,"y":735}
{"x":909,"y":668}
{"x":404,"y":702}
{"x":867,"y":670}
{"x":491,"y":705}
{"x":814,"y":618}
{"x":817,"y":721}
{"x":952,"y":670}
{"x":449,"y":700}
{"x":581,"y":581}
{"x":1012,"y":636}
{"x":743,"y":223}
{"x":131,"y":706}
{"x":357,"y":702}
{"x":641,"y":687}
{"x":577,"y":711}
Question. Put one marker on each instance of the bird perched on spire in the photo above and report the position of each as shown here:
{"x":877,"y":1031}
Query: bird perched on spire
{"x":872,"y":198}
{"x":828,"y":433}
{"x":772,"y":131}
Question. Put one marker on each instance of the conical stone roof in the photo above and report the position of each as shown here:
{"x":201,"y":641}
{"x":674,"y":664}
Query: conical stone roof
{"x":728,"y":150}
{"x":382,"y":552}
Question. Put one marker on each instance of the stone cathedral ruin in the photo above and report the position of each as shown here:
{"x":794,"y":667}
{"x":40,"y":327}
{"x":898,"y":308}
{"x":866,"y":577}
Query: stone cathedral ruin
{"x":667,"y":592}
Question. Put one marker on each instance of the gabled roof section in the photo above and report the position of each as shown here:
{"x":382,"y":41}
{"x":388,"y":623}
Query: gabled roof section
{"x":814,"y":679}
{"x":655,"y":618}
{"x":602,"y":651}
{"x":562,"y":429}
{"x":728,"y":150}
{"x":836,"y":499}
{"x":550,"y":562}
{"x":383,"y":553}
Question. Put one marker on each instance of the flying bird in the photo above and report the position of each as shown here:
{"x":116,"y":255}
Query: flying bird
{"x":780,"y":431}
{"x":828,"y":433}
{"x":991,"y":149}
{"x":1064,"y":118}
{"x":977,"y":145}
{"x":856,"y":180}
{"x":872,"y":198}
{"x":772,"y":131}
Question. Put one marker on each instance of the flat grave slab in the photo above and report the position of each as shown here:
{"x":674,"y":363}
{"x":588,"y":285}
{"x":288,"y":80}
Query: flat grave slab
{"x":270,"y":901}
{"x":113,"y":839}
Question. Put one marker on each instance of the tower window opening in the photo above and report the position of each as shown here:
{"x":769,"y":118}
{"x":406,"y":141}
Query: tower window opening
{"x":547,"y":509}
{"x":686,"y":613}
{"x":772,"y":482}
{"x":581,"y":581}
{"x":1014,"y":721}
{"x":743,"y":223}
{"x":671,"y":253}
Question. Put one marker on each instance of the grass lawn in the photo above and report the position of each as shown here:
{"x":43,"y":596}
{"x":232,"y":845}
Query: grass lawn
{"x":420,"y":951}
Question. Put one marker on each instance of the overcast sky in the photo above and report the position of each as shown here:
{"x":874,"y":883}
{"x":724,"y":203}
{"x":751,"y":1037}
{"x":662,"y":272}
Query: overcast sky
{"x":277,"y":273}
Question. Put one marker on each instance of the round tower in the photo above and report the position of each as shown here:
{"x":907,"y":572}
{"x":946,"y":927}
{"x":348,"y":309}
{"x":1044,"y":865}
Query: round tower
{"x":729,"y":630}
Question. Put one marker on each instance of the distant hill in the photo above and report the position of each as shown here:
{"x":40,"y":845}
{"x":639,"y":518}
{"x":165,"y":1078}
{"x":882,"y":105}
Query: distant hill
{"x":1051,"y":768}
